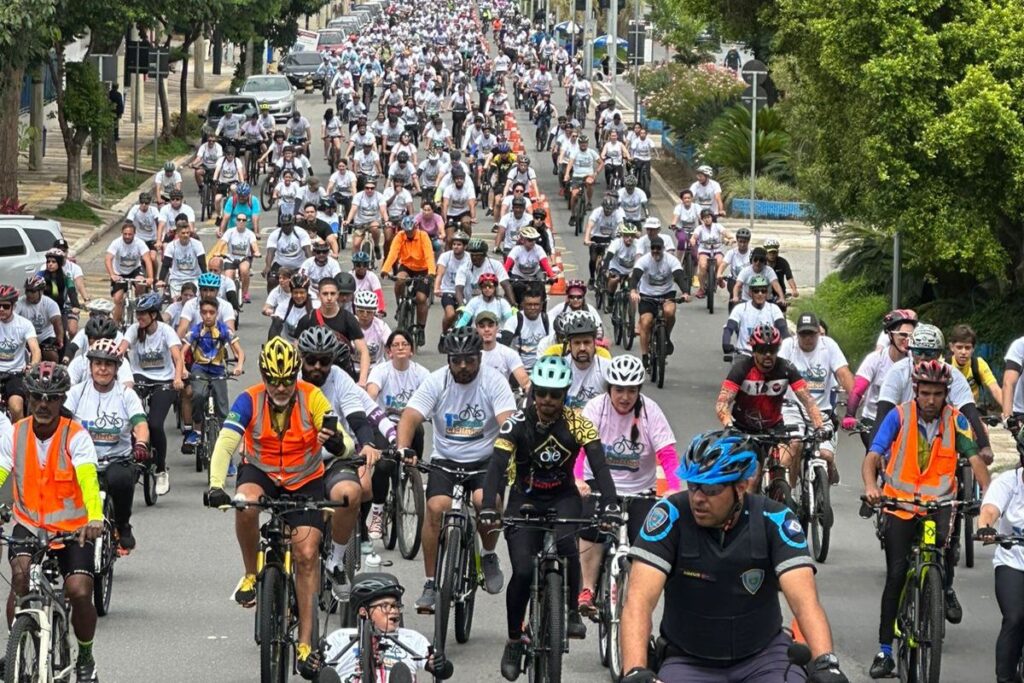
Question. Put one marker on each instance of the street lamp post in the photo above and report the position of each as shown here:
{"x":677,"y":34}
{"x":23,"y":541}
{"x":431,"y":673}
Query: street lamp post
{"x":754,"y":74}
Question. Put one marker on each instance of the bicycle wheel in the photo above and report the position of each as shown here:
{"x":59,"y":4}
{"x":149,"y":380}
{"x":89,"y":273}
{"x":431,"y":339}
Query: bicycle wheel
{"x":409,"y":521}
{"x":930,"y":626}
{"x":149,"y":484}
{"x":617,"y":315}
{"x":779,"y":490}
{"x":390,"y":514}
{"x":552,"y":639}
{"x":272,"y":619}
{"x":710,"y":286}
{"x":967,"y":519}
{"x":445,"y":580}
{"x":617,"y":595}
{"x":600,"y":291}
{"x":906,"y":654}
{"x":604,"y":611}
{"x":464,"y":607}
{"x":819,"y":521}
{"x":267,"y":193}
{"x":23,"y":653}
{"x":211,"y":426}
{"x":366,"y":659}
{"x":658,"y":360}
{"x":630,"y":322}
{"x":104,"y":553}
{"x":353,"y":555}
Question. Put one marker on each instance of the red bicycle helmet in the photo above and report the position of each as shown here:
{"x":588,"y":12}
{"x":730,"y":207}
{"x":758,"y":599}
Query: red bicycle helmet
{"x":932,"y":372}
{"x":486,"y":278}
{"x":765,"y":335}
{"x":8,"y":293}
{"x":897,"y":317}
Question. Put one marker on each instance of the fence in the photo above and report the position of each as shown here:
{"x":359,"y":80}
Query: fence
{"x":764,"y":208}
{"x":49,"y":92}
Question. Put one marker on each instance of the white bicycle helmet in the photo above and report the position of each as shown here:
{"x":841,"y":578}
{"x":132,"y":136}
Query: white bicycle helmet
{"x":365,"y":299}
{"x":706,"y":170}
{"x":101,"y":306}
{"x":652,"y":223}
{"x":625,"y":371}
{"x":927,"y":338}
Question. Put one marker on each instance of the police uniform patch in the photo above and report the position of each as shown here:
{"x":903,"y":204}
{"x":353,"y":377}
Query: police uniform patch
{"x":752,"y":580}
{"x":790,"y":530}
{"x":659,"y":521}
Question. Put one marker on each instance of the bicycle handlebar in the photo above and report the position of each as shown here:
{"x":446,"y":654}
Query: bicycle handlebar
{"x":285,"y":504}
{"x":890,"y":503}
{"x":1004,"y":540}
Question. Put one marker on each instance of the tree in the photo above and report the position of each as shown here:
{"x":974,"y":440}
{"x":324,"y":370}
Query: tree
{"x":679,"y":28}
{"x":914,"y":119}
{"x":749,"y":21}
{"x":84,"y":111}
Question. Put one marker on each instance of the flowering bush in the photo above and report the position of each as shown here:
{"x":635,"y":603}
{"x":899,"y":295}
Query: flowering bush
{"x":688,"y":98}
{"x":9,"y":206}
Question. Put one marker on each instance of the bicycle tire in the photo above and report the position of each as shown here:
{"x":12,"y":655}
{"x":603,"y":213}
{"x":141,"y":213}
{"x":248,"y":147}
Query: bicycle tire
{"x":464,"y":607}
{"x":554,"y":635}
{"x":104,"y":553}
{"x":931,"y":627}
{"x":366,"y":663}
{"x":967,"y":520}
{"x":353,"y":554}
{"x":23,"y":650}
{"x":604,"y":614}
{"x":149,"y":485}
{"x":267,"y":193}
{"x":779,"y":490}
{"x":272,"y":616}
{"x":390,"y":514}
{"x":614,"y":631}
{"x":600,"y":290}
{"x":410,"y":512}
{"x":820,"y":529}
{"x":211,"y":426}
{"x":449,"y":556}
{"x":658,"y":361}
{"x":710,"y":286}
{"x":617,"y":315}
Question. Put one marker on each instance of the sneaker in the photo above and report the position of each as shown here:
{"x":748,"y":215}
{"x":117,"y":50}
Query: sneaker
{"x":954,"y":612}
{"x":494,"y":580}
{"x":247,"y":298}
{"x":421,"y":337}
{"x":245,"y":592}
{"x":425,"y":603}
{"x":833,"y":474}
{"x":575,"y":628}
{"x":125,"y":538}
{"x":309,"y":661}
{"x":882,"y":666}
{"x":232,"y":469}
{"x":376,"y":526}
{"x":163,"y":483}
{"x":85,"y":672}
{"x":701,"y":293}
{"x":646,"y":360}
{"x":189,"y":444}
{"x":671,"y":347}
{"x":586,"y":603}
{"x":512,"y":659}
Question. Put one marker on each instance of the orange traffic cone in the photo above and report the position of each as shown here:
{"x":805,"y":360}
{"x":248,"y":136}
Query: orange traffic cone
{"x":558,"y":287}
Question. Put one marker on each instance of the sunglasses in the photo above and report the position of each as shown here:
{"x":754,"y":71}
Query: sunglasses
{"x":544,"y":392}
{"x":322,"y":361}
{"x":758,"y":290}
{"x":930,"y":354}
{"x":767,"y":350}
{"x":278,"y":381}
{"x":6,"y":307}
{"x":463,"y":360}
{"x":576,"y":297}
{"x":708,"y":490}
{"x":47,"y":398}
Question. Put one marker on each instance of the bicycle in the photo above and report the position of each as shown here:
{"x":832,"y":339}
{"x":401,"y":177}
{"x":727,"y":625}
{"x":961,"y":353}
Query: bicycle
{"x":404,"y":510}
{"x":372,"y":646}
{"x":601,"y":281}
{"x":42,"y":615}
{"x":459,"y":571}
{"x":268,"y":186}
{"x":206,"y":196}
{"x":657,"y":347}
{"x":541,"y":137}
{"x":405,"y":310}
{"x":252,"y":162}
{"x":105,"y":553}
{"x":815,"y":506}
{"x":579,"y":209}
{"x":277,"y":612}
{"x":548,"y":605}
{"x":773,"y":480}
{"x":1009,"y":542}
{"x":211,"y":423}
{"x":623,"y":316}
{"x":131,"y":297}
{"x":968,"y":492}
{"x":921,"y":616}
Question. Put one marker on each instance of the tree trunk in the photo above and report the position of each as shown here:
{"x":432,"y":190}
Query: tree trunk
{"x":74,"y":170}
{"x":10,"y":100}
{"x":111,"y":165}
{"x":165,"y":113}
{"x":182,"y":130}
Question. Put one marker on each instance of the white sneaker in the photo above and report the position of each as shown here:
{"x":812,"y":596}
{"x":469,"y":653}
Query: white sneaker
{"x":375,"y":529}
{"x":163,"y":483}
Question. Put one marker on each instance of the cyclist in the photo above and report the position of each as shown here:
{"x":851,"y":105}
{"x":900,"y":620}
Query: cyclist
{"x":707,"y":193}
{"x":822,"y":364}
{"x":467,"y":402}
{"x":367,"y":280}
{"x":615,"y":154}
{"x":745,"y":318}
{"x":524,"y":331}
{"x":962,"y":343}
{"x":393,"y":382}
{"x":340,"y":319}
{"x":527,"y":263}
{"x":924,"y":471}
{"x":708,"y":238}
{"x":376,"y":600}
{"x":897,"y":326}
{"x":619,"y":258}
{"x":458,"y":203}
{"x":541,"y":443}
{"x":320,"y":265}
{"x":288,"y":247}
{"x":498,"y":356}
{"x":242,"y":248}
{"x":585,"y":359}
{"x":241,"y":202}
{"x":166,"y":181}
{"x":281,"y":423}
{"x":468,"y":278}
{"x":96,"y":329}
{"x":583,"y":165}
{"x":643,"y":151}
{"x":205,"y":161}
{"x":299,"y":131}
{"x":781,"y":267}
{"x":331,"y":132}
{"x":448,"y":265}
{"x":735,"y":260}
{"x":511,"y":223}
{"x":486,"y":300}
{"x":411,"y":258}
{"x":576,"y":300}
{"x":184,"y":259}
{"x":637,"y":440}
{"x":209,"y":290}
{"x":368,"y":213}
{"x":1002,"y":512}
{"x":127,"y":258}
{"x":632,"y":202}
{"x":602,"y":225}
{"x":145,"y":217}
{"x":753,"y":547}
{"x":342,"y":186}
{"x":113,"y":416}
{"x":44,"y":314}
{"x":758,"y":266}
{"x":1013,"y":389}
{"x":72,"y":506}
{"x":17,"y":341}
{"x":522,"y":174}
{"x":169,"y":213}
{"x":652,"y":278}
{"x":375,"y":330}
{"x":228,"y":171}
{"x":297,"y":304}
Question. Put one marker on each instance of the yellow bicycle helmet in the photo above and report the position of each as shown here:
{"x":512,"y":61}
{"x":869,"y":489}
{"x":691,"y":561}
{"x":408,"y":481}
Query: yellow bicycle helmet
{"x":279,"y":359}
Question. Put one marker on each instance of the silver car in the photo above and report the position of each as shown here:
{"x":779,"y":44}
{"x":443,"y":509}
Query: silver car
{"x":24,"y":241}
{"x":274,"y":90}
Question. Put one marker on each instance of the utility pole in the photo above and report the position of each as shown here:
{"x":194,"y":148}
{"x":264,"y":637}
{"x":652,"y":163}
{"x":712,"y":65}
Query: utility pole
{"x":612,"y":44}
{"x":754,"y":73}
{"x":589,"y":33}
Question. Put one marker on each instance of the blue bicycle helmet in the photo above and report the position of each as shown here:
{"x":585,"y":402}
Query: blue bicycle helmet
{"x":718,"y":457}
{"x":152,"y":302}
{"x":503,"y":148}
{"x":360,"y":257}
{"x":243,"y":189}
{"x":209,"y":281}
{"x":408,"y":223}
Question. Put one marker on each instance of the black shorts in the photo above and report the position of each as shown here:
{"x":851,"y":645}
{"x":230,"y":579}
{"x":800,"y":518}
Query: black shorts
{"x":637,"y":512}
{"x":233,"y":263}
{"x":12,"y":385}
{"x":441,"y":484}
{"x":423,"y":285}
{"x":449,"y":300}
{"x":648,"y":306}
{"x":72,"y":558}
{"x":339,"y":471}
{"x":116,"y":287}
{"x":250,"y":474}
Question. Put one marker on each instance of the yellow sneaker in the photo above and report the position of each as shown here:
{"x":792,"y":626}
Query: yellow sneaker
{"x":245,"y":592}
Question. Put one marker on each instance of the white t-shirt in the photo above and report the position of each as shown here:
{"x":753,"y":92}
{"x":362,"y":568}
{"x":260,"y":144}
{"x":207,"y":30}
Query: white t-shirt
{"x":79,"y":446}
{"x":898,"y":387}
{"x":344,"y":396}
{"x":631,"y":203}
{"x":289,"y":248}
{"x":530,"y":335}
{"x":464,"y":415}
{"x":291,"y":317}
{"x":704,"y":195}
{"x":240,"y":244}
{"x":503,"y":359}
{"x":1016,"y":354}
{"x":165,"y":181}
{"x":818,"y":367}
{"x":686,"y":216}
{"x":747,"y":273}
{"x":396,"y":386}
{"x":317,"y":272}
{"x":168,"y":214}
{"x":144,"y":222}
{"x":81,"y":341}
{"x":469,"y":275}
{"x":873,"y":368}
{"x":709,"y":240}
{"x":107,"y":416}
{"x":376,"y":337}
{"x":190,"y":311}
{"x":526,"y":262}
{"x":736,"y":261}
{"x":127,"y":255}
{"x":1007,"y":493}
{"x":657,"y":275}
{"x":152,"y":357}
{"x":40,"y":314}
{"x":586,"y":383}
{"x":184,"y":259}
{"x":747,"y":317}
{"x":623,"y":257}
{"x":348,"y":666}
{"x":367,"y":207}
{"x":458,"y":198}
{"x":13,"y":348}
{"x":451,"y":269}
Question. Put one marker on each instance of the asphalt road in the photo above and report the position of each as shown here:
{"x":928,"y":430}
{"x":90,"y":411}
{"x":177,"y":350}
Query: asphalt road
{"x":172,"y":618}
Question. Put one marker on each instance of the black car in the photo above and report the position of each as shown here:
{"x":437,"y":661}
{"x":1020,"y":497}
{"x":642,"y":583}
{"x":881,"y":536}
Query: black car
{"x":235,"y":104}
{"x":297,"y":65}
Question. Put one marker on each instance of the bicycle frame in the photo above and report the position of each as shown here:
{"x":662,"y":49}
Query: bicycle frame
{"x":923,"y":557}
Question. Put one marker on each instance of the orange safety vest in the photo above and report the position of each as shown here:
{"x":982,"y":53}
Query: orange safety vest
{"x":903,"y":477}
{"x":292,"y":458}
{"x":47,"y":497}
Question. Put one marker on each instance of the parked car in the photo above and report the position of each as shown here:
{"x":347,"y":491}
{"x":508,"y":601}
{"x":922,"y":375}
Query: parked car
{"x":219,"y":106}
{"x":297,"y":65}
{"x":346,"y":24}
{"x":275,"y":90}
{"x":24,"y":241}
{"x":363,"y":14}
{"x":330,"y":40}
{"x":373,"y":8}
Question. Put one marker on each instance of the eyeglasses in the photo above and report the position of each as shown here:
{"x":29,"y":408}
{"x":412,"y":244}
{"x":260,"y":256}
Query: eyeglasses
{"x":545,"y":392}
{"x":242,"y":219}
{"x":390,"y":606}
{"x":463,"y":360}
{"x":47,"y":398}
{"x":322,"y":361}
{"x":708,"y":490}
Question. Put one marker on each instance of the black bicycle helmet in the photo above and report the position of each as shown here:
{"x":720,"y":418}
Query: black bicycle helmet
{"x":319,"y":340}
{"x":47,"y":378}
{"x":463,"y":341}
{"x":578,"y":323}
{"x":374,"y":585}
{"x":152,"y":302}
{"x":101,"y":328}
{"x":476,"y":246}
{"x":346,"y":283}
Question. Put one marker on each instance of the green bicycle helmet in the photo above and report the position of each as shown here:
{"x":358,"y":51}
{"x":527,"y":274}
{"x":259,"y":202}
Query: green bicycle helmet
{"x":551,"y":372}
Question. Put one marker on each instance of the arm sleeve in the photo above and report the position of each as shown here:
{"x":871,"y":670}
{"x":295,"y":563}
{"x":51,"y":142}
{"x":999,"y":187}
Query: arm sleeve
{"x":599,"y":468}
{"x":682,"y":282}
{"x":165,"y":267}
{"x":498,"y":466}
{"x":973,"y":415}
{"x":782,"y":327}
{"x":882,"y":410}
{"x":89,"y":482}
{"x":227,"y":443}
{"x":860,"y":385}
{"x":546,"y":265}
{"x":668,"y":458}
{"x":731,"y":327}
{"x":361,"y":427}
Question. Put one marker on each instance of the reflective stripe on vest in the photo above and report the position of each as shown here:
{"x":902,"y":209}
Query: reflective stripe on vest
{"x":47,"y":497}
{"x":291,"y":458}
{"x":903,"y":477}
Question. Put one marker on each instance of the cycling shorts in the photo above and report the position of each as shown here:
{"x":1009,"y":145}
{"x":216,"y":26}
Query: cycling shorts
{"x":648,"y":306}
{"x":313,"y":490}
{"x":338,"y":471}
{"x":123,"y":285}
{"x":72,"y":558}
{"x":442,"y":484}
{"x":764,"y":666}
{"x":793,"y":416}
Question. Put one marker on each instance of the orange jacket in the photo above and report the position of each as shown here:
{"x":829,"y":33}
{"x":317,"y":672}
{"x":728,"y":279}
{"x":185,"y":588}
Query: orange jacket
{"x":903,"y":477}
{"x":47,"y":497}
{"x":414,"y":254}
{"x":292,"y":458}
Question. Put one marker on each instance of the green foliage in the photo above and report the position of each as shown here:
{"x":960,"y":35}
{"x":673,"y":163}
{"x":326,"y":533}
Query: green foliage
{"x":735,"y":186}
{"x":690,"y":98}
{"x":914,"y":115}
{"x":852,"y":310}
{"x":86,"y":106}
{"x":748,"y":21}
{"x":25,"y":31}
{"x":193,"y":124}
{"x":166,"y":149}
{"x":78,"y":212}
{"x":866,"y":252}
{"x":676,"y":27}
{"x":126,"y":184}
{"x":728,"y":145}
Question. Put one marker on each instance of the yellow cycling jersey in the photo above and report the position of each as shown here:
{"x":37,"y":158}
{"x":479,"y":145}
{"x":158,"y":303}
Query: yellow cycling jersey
{"x":558,"y":350}
{"x":986,"y":379}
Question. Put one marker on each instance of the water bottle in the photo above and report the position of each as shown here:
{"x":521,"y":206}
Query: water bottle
{"x":372,"y":562}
